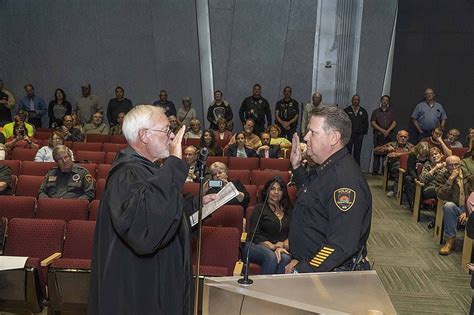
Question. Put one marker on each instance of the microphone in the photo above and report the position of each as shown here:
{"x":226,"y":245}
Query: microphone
{"x":203,"y":153}
{"x":245,"y":280}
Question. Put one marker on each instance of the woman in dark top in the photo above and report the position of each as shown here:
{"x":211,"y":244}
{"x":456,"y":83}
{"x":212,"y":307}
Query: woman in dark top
{"x":238,"y":149}
{"x":219,"y":171}
{"x":209,"y":141}
{"x":58,"y":108}
{"x":270,"y":244}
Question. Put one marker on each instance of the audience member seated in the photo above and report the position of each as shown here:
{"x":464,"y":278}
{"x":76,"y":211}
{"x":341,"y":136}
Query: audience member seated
{"x":418,"y":156}
{"x":219,"y":171}
{"x":267,"y":150}
{"x":190,"y":156}
{"x":67,"y":180}
{"x":274,"y":132}
{"x":117,"y":105}
{"x":76,"y":123}
{"x":393,"y":150}
{"x":251,"y":140}
{"x":87,"y":104}
{"x":194,"y":131}
{"x":58,"y":108}
{"x":186,"y":113}
{"x":222,"y":133}
{"x":454,"y":189}
{"x":45,"y":153}
{"x":5,"y":180}
{"x":97,"y":125}
{"x":239,"y":149}
{"x":23,"y":117}
{"x":34,"y":105}
{"x":270,"y":243}
{"x":429,"y":173}
{"x":452,"y":139}
{"x":116,"y":130}
{"x":163,"y":102}
{"x":470,"y":138}
{"x":174,"y":124}
{"x":436,"y":140}
{"x":209,"y":141}
{"x":220,"y":109}
{"x":467,"y":163}
{"x":20,"y":139}
{"x":3,"y":148}
{"x":70,"y":133}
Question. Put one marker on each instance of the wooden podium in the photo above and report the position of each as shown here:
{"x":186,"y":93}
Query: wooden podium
{"x":358,"y":292}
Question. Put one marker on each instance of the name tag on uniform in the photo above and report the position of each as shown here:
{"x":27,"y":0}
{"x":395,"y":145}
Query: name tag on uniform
{"x":52,"y":178}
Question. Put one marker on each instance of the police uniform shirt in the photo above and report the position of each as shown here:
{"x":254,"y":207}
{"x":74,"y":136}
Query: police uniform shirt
{"x":287,"y":110}
{"x":332,"y":215}
{"x":75,"y":184}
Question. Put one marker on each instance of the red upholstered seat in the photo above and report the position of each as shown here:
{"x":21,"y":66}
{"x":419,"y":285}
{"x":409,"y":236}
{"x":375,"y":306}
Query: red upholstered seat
{"x":459,"y":151}
{"x":14,"y":180}
{"x":63,"y":209}
{"x":113,"y":147}
{"x":118,"y":139}
{"x":36,"y":239}
{"x":253,"y":192}
{"x":91,"y":156}
{"x":212,"y":159}
{"x":292,"y":193}
{"x":36,"y":168}
{"x":259,"y":178}
{"x":103,"y":170}
{"x":13,"y":164}
{"x":404,"y":161}
{"x":110,"y":157}
{"x":100,"y":187}
{"x":17,"y":207}
{"x":23,"y":154}
{"x":79,"y":239}
{"x":28,"y":185}
{"x":86,"y":146}
{"x":275,"y":164}
{"x":227,"y":216}
{"x":220,"y":248}
{"x":191,"y":141}
{"x":94,"y":137}
{"x":242,"y":175}
{"x":250,"y":163}
{"x":91,"y":167}
{"x":192,"y":188}
{"x":42,"y":135}
{"x":94,"y":210}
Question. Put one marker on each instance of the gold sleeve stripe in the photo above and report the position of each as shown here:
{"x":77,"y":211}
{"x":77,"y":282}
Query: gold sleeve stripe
{"x":317,"y":260}
{"x":325,"y":251}
{"x":314,"y":264}
{"x":328,"y":248}
{"x":322,"y":255}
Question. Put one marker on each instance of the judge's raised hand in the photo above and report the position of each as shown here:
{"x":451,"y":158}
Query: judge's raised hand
{"x":295,"y":156}
{"x":175,"y":145}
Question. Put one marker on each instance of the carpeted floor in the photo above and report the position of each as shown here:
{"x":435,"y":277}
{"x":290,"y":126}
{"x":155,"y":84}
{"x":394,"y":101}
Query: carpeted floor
{"x":417,"y":279}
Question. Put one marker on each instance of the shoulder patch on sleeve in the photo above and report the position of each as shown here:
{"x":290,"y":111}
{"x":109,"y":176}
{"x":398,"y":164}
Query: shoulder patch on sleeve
{"x":344,"y":198}
{"x":88,"y":178}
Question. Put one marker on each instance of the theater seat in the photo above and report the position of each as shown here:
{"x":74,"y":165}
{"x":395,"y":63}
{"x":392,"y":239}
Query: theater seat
{"x":28,"y":185}
{"x":17,"y":207}
{"x":95,"y":137}
{"x":86,"y":146}
{"x":118,"y":139}
{"x":94,"y":210}
{"x":250,"y":163}
{"x":259,"y":178}
{"x":227,"y":216}
{"x":275,"y":164}
{"x":103,"y":170}
{"x":100,"y":187}
{"x":36,"y":168}
{"x":23,"y":154}
{"x":62,"y":209}
{"x":242,"y":175}
{"x":14,"y":166}
{"x":91,"y":156}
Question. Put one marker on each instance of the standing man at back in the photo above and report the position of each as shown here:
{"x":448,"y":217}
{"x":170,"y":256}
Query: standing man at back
{"x":256,"y":108}
{"x":316,"y":100}
{"x":331,"y":219}
{"x":428,"y":115}
{"x":87,"y":104}
{"x":360,"y":126}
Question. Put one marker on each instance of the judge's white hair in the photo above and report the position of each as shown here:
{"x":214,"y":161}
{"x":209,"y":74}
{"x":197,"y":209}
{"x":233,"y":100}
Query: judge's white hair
{"x":141,"y":116}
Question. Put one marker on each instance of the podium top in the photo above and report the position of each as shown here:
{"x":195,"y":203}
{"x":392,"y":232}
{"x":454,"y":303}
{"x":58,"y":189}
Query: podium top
{"x":357,"y":292}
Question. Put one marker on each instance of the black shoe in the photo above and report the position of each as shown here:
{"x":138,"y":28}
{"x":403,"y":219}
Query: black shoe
{"x":431,"y":225}
{"x":374,"y":173}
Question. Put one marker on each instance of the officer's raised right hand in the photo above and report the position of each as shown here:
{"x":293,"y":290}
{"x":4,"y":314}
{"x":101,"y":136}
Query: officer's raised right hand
{"x":295,"y":156}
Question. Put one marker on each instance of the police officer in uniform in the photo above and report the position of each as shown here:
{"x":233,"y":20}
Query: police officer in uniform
{"x":332,"y":215}
{"x":257,"y":108}
{"x":67,"y":180}
{"x":287,"y":113}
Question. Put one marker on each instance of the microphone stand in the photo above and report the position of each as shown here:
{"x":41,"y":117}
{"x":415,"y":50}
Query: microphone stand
{"x":202,"y":168}
{"x":245,"y":281}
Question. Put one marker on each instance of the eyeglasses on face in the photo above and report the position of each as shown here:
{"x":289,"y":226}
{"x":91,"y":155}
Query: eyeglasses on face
{"x":168,"y":131}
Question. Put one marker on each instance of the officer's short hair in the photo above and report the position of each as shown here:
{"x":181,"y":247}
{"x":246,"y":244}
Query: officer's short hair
{"x":336,"y":119}
{"x":141,"y":116}
{"x":61,"y":148}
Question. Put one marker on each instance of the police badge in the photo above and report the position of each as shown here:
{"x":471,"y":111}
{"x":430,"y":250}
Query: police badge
{"x":344,"y":198}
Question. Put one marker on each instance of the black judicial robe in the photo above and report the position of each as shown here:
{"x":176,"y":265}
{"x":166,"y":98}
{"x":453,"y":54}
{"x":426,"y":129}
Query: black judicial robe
{"x":141,"y":256}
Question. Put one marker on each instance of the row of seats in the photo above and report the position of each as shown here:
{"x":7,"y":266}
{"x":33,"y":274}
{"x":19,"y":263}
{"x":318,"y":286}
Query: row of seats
{"x":44,"y":134}
{"x":64,"y":282}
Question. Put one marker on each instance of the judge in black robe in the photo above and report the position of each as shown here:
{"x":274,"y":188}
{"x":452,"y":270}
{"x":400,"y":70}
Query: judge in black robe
{"x":141,"y":256}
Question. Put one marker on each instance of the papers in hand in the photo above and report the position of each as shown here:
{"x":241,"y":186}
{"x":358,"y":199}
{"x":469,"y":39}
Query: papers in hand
{"x":227,"y":193}
{"x":12,"y":262}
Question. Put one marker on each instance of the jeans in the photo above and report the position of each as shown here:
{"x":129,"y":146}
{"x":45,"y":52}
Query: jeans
{"x":451,"y":215}
{"x":379,"y":140}
{"x":355,"y":146}
{"x":266,"y":258}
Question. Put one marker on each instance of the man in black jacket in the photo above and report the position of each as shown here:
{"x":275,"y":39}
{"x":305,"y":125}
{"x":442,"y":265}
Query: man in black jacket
{"x":256,"y":108}
{"x":360,"y":127}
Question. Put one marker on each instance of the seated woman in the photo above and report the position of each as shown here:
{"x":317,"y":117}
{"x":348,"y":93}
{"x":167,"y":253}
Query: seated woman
{"x":430,"y":171}
{"x":222,"y":135}
{"x":208,"y":141}
{"x":275,"y":132}
{"x":19,"y":139}
{"x":219,"y":171}
{"x":239,"y":149}
{"x":417,"y":157}
{"x":45,"y":154}
{"x":270,"y":243}
{"x":194,"y":131}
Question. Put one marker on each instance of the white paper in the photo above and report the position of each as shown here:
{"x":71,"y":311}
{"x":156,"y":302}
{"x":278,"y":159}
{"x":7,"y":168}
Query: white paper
{"x":12,"y":262}
{"x":227,"y":193}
